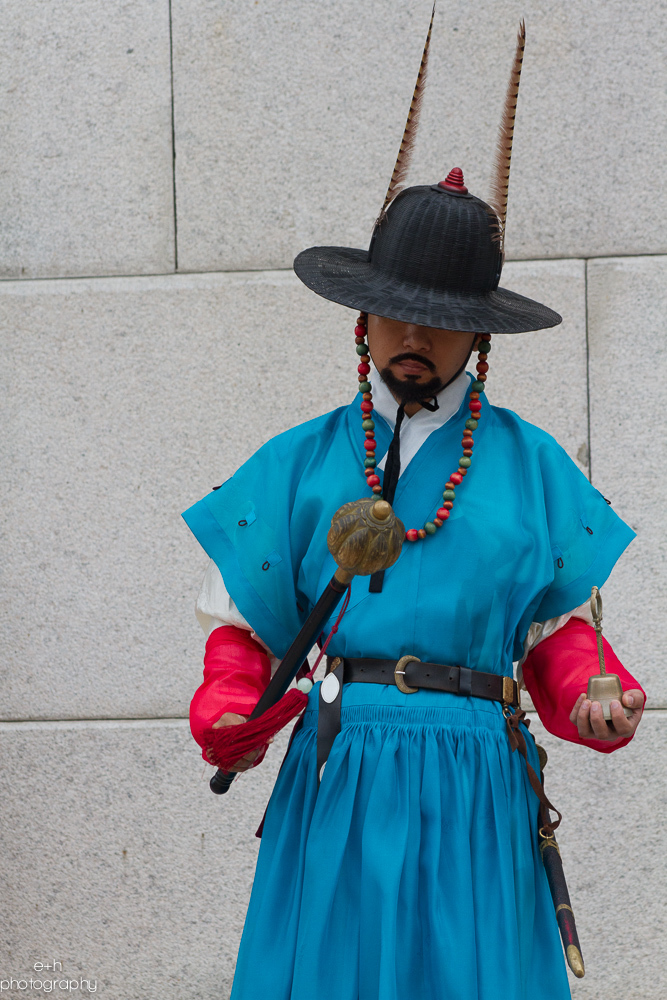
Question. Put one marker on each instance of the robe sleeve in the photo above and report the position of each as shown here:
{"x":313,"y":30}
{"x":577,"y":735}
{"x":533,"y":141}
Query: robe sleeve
{"x":244,"y":527}
{"x":556,"y":672}
{"x":236,"y":672}
{"x":586,"y":536}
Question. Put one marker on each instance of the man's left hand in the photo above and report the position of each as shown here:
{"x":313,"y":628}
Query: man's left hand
{"x":587,"y":717}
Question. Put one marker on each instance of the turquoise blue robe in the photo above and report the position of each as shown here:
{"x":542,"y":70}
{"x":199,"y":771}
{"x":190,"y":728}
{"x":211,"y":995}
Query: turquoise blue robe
{"x":414,"y":871}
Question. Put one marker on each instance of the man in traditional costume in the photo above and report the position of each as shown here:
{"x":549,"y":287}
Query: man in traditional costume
{"x":400,"y":855}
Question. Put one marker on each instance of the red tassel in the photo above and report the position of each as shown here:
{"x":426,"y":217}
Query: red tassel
{"x":228,"y":745}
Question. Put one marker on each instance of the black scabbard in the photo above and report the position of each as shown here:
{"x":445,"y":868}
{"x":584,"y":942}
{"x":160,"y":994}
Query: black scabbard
{"x":553,"y":865}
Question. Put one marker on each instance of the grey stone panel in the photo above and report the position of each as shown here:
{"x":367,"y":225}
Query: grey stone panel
{"x":542,"y":375}
{"x":613,"y":846}
{"x":86,"y":167}
{"x":289,"y":116}
{"x":627,"y":332}
{"x":121,"y":864}
{"x":128,"y":399}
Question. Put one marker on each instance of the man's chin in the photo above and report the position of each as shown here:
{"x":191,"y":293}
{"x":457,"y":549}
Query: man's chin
{"x":411,"y":388}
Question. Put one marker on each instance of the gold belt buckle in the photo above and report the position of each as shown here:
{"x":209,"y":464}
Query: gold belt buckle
{"x":399,"y":673}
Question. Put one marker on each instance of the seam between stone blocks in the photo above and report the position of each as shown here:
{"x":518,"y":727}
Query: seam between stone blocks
{"x":283,"y":270}
{"x":588,"y":373}
{"x":173,"y":138}
{"x":7,"y":724}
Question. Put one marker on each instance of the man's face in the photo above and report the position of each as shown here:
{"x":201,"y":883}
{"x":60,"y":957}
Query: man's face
{"x":416,"y":360}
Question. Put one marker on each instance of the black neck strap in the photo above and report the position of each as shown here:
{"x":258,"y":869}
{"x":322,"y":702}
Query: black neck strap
{"x":392,"y":467}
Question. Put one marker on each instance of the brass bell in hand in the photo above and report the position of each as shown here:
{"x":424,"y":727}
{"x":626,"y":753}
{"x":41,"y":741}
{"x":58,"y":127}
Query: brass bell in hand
{"x":603,"y":687}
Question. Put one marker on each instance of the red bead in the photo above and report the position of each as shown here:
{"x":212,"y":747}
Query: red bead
{"x":360,"y":331}
{"x":373,"y":480}
{"x":363,"y":369}
{"x":457,"y":478}
{"x":474,"y":405}
{"x":367,"y":406}
{"x":443,"y":514}
{"x":369,"y":444}
{"x":412,"y":534}
{"x":467,"y":442}
{"x":482,"y":367}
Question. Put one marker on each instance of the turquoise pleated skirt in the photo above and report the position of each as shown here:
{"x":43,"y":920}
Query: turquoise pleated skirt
{"x":414,"y":873}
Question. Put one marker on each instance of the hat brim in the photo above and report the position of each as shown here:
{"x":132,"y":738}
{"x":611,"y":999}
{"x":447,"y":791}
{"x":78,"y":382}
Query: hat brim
{"x":346,"y":276}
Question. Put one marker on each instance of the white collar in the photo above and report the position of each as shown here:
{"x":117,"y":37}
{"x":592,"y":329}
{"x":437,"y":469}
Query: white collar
{"x":415,"y":430}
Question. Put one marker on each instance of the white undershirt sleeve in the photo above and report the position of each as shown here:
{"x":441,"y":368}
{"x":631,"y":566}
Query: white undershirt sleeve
{"x":214,"y":607}
{"x":542,"y":630}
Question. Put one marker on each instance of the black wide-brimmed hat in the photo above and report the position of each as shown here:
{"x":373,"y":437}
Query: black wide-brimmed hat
{"x":437,"y":252}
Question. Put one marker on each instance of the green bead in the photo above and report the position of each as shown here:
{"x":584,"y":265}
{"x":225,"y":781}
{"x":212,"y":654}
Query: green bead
{"x":430,"y":528}
{"x":368,"y":425}
{"x":484,"y":347}
{"x":471,"y":424}
{"x":370,"y":463}
{"x":448,"y":495}
{"x":465,"y":462}
{"x":364,"y":387}
{"x":362,"y":349}
{"x":477,"y":386}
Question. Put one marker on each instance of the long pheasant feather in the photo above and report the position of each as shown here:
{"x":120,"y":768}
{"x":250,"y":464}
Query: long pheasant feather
{"x":501,"y":172}
{"x":410,"y":133}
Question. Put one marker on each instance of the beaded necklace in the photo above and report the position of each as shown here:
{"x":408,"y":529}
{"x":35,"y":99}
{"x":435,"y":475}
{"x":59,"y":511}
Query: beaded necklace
{"x":368,"y":426}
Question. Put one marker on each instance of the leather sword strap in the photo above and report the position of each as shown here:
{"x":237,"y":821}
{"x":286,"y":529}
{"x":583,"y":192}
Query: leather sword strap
{"x":517,"y":741}
{"x":328,"y":716}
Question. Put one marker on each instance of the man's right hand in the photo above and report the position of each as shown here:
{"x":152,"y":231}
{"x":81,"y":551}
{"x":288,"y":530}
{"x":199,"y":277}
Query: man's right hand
{"x":233,"y":719}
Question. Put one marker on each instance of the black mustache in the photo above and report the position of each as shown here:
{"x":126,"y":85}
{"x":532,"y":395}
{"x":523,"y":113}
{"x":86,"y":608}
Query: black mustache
{"x":412,"y":357}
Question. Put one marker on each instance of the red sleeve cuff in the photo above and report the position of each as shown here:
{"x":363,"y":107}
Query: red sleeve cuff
{"x":236,"y":671}
{"x":556,"y":672}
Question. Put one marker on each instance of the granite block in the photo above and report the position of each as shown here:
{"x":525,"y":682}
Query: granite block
{"x":627,"y":306}
{"x":288,"y":119}
{"x":128,"y":399}
{"x":119,"y":863}
{"x":87,"y":163}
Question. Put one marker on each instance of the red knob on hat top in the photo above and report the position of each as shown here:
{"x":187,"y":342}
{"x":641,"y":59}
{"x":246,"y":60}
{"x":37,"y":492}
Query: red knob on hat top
{"x":454,"y":181}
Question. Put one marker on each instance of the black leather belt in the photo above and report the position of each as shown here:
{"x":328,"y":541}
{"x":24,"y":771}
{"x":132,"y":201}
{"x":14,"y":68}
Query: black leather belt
{"x":409,"y":675}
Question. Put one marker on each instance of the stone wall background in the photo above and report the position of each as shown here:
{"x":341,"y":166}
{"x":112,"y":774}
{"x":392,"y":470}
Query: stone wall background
{"x":161,"y":163}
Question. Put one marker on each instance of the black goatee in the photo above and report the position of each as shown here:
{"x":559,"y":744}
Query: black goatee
{"x":407,"y":391}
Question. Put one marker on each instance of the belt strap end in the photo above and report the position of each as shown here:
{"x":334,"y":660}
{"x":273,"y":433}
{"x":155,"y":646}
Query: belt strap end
{"x":508,"y":691}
